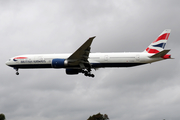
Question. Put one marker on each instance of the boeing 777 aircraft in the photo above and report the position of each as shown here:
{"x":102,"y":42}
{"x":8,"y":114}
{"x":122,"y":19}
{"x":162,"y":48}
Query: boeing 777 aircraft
{"x":82,"y":61}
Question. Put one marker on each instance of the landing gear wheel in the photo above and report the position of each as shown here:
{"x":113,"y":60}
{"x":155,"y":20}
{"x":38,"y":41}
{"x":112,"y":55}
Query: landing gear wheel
{"x":92,"y":75}
{"x":17,"y":73}
{"x":87,"y":72}
{"x":89,"y":75}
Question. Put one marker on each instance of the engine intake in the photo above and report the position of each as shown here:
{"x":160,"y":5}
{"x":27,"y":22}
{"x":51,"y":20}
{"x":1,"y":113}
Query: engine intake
{"x":59,"y":63}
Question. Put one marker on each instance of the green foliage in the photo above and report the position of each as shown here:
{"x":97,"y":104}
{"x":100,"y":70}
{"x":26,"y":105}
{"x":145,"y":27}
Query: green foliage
{"x":2,"y":117}
{"x":99,"y":116}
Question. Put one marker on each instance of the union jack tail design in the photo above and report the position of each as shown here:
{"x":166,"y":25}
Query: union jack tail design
{"x":159,"y":44}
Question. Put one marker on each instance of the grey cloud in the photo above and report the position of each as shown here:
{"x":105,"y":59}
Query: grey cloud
{"x":142,"y":93}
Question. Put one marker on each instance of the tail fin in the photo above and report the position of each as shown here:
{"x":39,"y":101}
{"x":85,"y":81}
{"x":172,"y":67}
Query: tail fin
{"x":159,"y":44}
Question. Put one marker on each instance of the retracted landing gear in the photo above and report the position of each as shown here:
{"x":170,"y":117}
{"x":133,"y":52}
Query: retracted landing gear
{"x":88,"y":73}
{"x":17,"y":73}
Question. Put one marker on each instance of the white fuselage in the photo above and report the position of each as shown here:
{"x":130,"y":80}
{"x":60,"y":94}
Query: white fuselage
{"x":97,"y":60}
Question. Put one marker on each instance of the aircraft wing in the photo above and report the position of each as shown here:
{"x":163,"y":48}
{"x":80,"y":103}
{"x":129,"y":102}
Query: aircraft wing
{"x":81,"y":55}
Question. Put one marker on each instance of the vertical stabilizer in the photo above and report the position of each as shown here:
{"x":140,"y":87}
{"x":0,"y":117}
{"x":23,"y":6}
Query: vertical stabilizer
{"x":159,"y":44}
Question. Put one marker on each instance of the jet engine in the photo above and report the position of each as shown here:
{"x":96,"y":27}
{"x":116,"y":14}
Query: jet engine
{"x":72,"y":71}
{"x":59,"y":63}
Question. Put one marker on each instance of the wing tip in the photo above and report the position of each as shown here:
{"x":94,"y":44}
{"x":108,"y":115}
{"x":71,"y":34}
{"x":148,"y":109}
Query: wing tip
{"x":92,"y":37}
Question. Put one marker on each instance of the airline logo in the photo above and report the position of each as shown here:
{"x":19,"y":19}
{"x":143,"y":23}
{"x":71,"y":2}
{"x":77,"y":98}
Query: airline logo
{"x":162,"y":37}
{"x":159,"y":44}
{"x":19,"y":58}
{"x":25,"y":60}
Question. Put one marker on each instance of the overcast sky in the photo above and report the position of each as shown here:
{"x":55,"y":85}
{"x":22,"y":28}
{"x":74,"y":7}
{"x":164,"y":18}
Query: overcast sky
{"x":147,"y":92}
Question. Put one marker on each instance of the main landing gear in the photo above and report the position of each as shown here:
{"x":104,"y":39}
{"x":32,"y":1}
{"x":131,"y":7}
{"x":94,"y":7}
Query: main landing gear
{"x":17,"y":73}
{"x":88,"y":73}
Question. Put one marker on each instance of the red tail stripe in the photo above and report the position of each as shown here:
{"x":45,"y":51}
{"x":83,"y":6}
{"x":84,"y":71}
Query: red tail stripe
{"x":167,"y":56}
{"x":162,"y":37}
{"x":151,"y":50}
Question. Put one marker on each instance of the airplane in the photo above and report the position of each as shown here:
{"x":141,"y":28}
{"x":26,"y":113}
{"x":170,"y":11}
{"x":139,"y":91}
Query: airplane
{"x":82,"y":61}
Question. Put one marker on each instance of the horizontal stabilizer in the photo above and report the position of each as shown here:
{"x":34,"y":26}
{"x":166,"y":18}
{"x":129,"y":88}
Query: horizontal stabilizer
{"x":160,"y":54}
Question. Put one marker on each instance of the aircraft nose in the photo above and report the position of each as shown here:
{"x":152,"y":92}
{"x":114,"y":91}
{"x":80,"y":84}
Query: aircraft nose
{"x":7,"y":63}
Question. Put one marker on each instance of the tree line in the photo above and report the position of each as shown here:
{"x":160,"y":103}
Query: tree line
{"x":98,"y":116}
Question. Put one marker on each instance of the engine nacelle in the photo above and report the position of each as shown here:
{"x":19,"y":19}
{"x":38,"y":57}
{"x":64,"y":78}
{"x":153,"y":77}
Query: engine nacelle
{"x":59,"y":63}
{"x":72,"y":71}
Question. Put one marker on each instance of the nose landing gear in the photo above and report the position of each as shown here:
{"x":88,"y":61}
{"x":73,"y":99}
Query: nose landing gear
{"x":17,"y":73}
